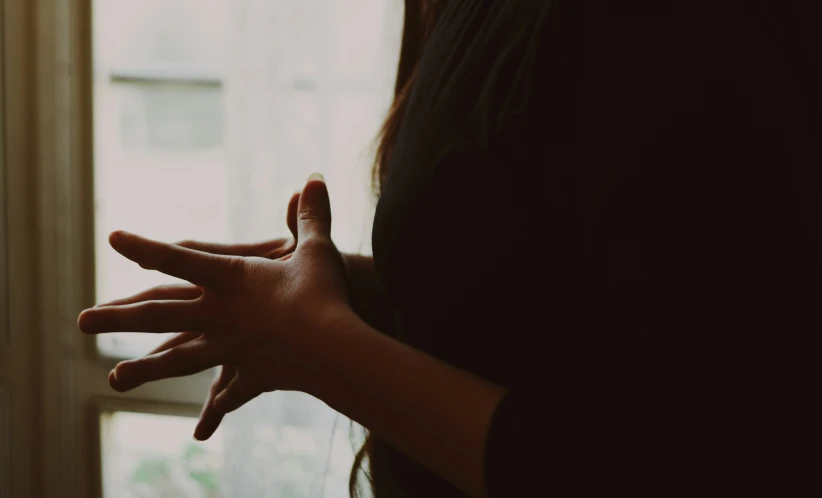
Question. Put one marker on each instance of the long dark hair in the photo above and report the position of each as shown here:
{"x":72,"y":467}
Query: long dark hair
{"x":419,"y":20}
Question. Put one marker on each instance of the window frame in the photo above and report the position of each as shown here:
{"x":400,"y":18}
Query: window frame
{"x":107,"y":404}
{"x":16,"y":368}
{"x":52,"y":378}
{"x":55,"y":378}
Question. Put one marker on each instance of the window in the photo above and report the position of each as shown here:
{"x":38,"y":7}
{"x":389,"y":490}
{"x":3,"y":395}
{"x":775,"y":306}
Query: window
{"x":161,"y":166}
{"x":175,"y":119}
{"x":146,"y":454}
{"x":5,"y":443}
{"x":208,"y":115}
{"x":5,"y":420}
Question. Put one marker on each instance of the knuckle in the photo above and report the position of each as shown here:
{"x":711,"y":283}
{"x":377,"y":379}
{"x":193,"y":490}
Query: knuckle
{"x":170,"y":356}
{"x":315,"y":243}
{"x":151,"y":307}
{"x":236,"y":267}
{"x":230,"y":397}
{"x":319,"y":246}
{"x":140,"y":370}
{"x":236,"y":263}
{"x":310,"y":213}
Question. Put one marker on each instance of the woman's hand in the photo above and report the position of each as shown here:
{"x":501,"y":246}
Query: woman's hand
{"x":262,"y":319}
{"x":364,"y":290}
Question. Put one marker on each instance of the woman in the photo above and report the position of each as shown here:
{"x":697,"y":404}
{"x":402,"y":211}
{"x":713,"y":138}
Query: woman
{"x":596,"y":261}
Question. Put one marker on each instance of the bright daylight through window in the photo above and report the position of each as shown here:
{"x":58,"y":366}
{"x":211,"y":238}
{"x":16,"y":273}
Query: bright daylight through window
{"x":208,"y":115}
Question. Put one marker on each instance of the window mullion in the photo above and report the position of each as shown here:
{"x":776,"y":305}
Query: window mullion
{"x":21,"y":359}
{"x":57,"y":222}
{"x":190,"y":390}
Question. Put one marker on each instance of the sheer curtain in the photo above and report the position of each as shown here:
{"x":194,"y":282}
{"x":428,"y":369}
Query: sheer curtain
{"x":307,"y":85}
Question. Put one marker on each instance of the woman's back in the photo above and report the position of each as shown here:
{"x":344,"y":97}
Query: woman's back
{"x":649,"y":177}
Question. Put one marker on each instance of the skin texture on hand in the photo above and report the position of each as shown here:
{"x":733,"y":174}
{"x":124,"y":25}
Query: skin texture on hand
{"x":364,"y":291}
{"x":258,"y":317}
{"x":363,"y":287}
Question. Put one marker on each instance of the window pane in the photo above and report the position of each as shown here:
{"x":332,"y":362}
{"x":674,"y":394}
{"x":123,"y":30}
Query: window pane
{"x":299,"y":453}
{"x":160,"y":161}
{"x":170,"y":116}
{"x":145,"y":455}
{"x":218,"y":161}
{"x":177,"y":34}
{"x":208,"y":115}
{"x":288,"y":445}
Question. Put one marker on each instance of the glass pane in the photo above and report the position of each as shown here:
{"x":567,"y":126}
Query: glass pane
{"x":170,"y":116}
{"x":174,"y":34}
{"x":145,"y":455}
{"x":289,"y":445}
{"x":301,"y":86}
{"x":160,"y":160}
{"x":290,"y":456}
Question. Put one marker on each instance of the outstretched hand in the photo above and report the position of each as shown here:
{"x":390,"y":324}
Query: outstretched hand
{"x":261,"y":317}
{"x":210,"y":418}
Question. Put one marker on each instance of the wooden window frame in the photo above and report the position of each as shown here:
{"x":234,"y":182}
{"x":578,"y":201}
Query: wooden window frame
{"x":53,"y":381}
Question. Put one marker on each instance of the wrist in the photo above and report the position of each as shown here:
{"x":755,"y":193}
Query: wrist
{"x":365,"y":293}
{"x":329,"y":343}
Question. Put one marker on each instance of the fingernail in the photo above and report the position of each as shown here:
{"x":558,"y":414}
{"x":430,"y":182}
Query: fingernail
{"x":316,"y":176}
{"x":114,"y":374}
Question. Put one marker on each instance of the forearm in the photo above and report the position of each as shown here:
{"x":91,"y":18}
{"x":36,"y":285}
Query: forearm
{"x":435,"y":413}
{"x":365,"y":293}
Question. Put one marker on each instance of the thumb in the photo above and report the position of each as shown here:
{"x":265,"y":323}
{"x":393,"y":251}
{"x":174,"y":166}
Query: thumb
{"x":291,"y":218}
{"x":314,"y":211}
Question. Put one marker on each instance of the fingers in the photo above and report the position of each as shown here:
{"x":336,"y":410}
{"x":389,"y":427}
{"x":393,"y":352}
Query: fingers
{"x":238,"y":392}
{"x":148,"y":316}
{"x":256,"y":249}
{"x":285,"y":251}
{"x":210,"y":418}
{"x":159,"y":293}
{"x":314,"y":211}
{"x":291,"y":219}
{"x":195,"y":266}
{"x":185,"y":359}
{"x":271,"y":248}
{"x":178,"y":339}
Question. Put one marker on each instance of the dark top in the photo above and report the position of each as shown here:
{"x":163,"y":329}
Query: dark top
{"x":613,"y":209}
